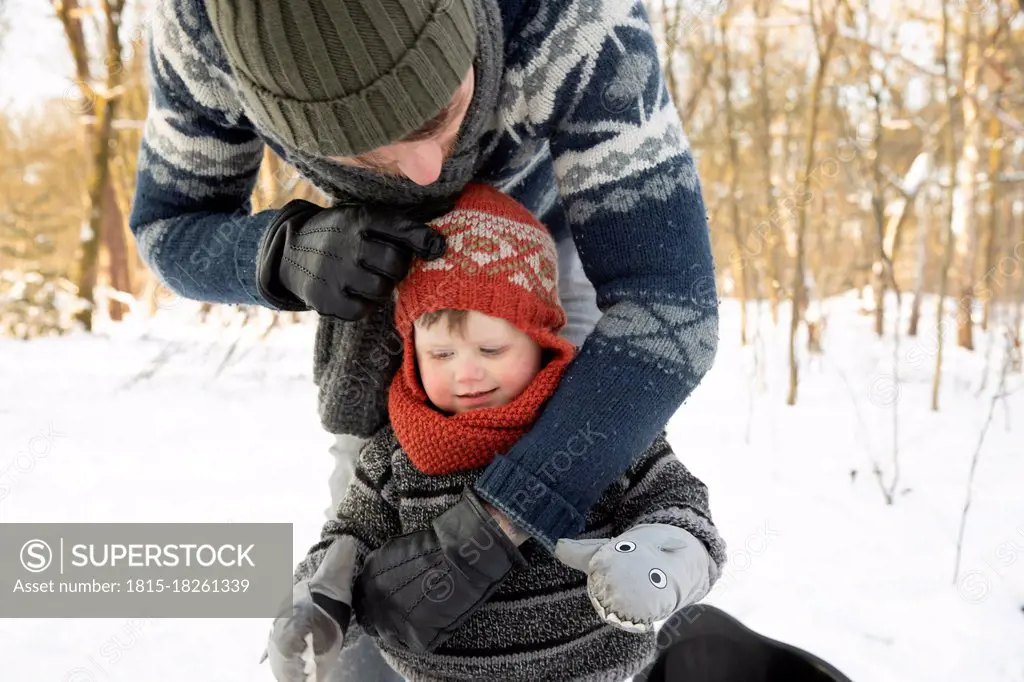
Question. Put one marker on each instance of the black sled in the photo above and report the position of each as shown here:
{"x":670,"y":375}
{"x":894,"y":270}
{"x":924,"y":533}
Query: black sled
{"x":705,"y":644}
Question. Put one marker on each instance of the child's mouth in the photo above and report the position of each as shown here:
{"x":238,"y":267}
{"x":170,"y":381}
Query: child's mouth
{"x":478,"y":396}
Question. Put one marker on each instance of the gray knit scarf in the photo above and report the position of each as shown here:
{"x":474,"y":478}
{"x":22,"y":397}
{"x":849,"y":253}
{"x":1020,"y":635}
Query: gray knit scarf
{"x":353,"y":362}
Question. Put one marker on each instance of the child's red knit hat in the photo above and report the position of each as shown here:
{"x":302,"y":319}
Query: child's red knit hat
{"x":501,"y":261}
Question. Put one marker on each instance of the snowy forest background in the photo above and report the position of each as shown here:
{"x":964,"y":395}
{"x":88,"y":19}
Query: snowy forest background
{"x":843,"y":145}
{"x":863,"y":166}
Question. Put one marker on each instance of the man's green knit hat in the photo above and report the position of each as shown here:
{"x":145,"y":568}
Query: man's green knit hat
{"x":342,"y":77}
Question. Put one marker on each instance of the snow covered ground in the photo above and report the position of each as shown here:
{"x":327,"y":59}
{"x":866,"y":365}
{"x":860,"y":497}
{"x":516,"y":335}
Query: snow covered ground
{"x":168,"y":420}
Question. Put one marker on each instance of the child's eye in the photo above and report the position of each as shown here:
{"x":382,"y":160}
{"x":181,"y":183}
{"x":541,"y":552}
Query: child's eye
{"x":493,"y":351}
{"x":440,"y":354}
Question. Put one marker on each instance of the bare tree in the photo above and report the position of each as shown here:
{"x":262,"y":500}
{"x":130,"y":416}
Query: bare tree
{"x":967,"y":217}
{"x":990,"y":238}
{"x":924,"y":221}
{"x":675,"y":19}
{"x":996,"y":146}
{"x":925,"y":192}
{"x":670,"y":22}
{"x":824,"y":32}
{"x":947,"y":258}
{"x":105,"y":222}
{"x":882,"y":268}
{"x":1000,"y":394}
{"x":768,"y":232}
{"x":741,"y":270}
{"x":1018,"y":320}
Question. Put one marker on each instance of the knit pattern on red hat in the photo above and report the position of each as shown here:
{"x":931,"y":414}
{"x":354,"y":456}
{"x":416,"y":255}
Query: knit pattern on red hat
{"x":499,"y":261}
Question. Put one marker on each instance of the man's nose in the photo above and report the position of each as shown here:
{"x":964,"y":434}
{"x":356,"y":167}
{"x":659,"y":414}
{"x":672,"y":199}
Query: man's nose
{"x":422,"y":162}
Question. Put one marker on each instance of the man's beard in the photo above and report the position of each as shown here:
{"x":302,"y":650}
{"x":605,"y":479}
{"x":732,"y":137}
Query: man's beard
{"x":392,"y":170}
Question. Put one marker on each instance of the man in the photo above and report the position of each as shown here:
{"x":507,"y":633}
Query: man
{"x":390,"y":107}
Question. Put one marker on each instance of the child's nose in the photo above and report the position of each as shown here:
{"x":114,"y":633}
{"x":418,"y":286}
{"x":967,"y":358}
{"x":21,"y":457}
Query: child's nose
{"x":469,"y":370}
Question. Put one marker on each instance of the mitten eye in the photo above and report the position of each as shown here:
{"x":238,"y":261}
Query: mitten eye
{"x":625,"y":546}
{"x":657,"y":579}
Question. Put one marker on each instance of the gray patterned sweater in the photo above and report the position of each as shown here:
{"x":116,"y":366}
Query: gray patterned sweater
{"x":577,"y":124}
{"x":539,"y":626}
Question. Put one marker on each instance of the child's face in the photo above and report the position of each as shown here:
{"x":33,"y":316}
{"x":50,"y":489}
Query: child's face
{"x":487,"y":365}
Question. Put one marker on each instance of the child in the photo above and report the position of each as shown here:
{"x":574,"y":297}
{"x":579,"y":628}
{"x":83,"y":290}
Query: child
{"x":482,"y":354}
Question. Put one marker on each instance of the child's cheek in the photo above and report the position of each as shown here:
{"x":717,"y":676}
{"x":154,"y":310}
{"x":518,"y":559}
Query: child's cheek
{"x":435,"y":382}
{"x":516,"y":375}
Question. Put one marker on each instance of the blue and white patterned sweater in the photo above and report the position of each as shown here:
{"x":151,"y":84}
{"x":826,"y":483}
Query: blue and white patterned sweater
{"x":588,"y":139}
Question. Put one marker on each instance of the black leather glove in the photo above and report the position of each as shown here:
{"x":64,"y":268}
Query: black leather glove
{"x":416,"y":590}
{"x":343,"y":260}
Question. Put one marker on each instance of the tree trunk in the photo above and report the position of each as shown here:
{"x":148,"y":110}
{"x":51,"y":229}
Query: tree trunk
{"x":98,"y":177}
{"x":780,"y":247}
{"x":122,"y":199}
{"x":89,"y":260}
{"x":768,"y":234}
{"x":85,"y":270}
{"x":740,"y":266}
{"x":995,"y":162}
{"x":798,"y":293}
{"x":924,"y":217}
{"x":1019,"y":303}
{"x":968,"y":219}
{"x":116,"y":244}
{"x":947,"y":257}
{"x":99,"y":136}
{"x":887,"y":253}
{"x":878,"y":270}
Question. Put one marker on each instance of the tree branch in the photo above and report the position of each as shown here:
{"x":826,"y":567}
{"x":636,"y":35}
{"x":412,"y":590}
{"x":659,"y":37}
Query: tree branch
{"x":999,"y":395}
{"x":971,"y":93}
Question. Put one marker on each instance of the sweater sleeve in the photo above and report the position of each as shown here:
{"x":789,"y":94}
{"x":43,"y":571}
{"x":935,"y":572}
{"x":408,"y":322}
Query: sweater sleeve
{"x":364,"y":514}
{"x":197,"y":166}
{"x":629,"y":185}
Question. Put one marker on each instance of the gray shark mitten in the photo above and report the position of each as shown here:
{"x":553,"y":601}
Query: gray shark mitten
{"x":307,"y":637}
{"x":646,"y":574}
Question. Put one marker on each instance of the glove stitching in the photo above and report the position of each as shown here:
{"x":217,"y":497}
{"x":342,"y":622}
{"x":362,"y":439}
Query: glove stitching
{"x":396,"y":588}
{"x":424,"y":593}
{"x":370,"y":267}
{"x":304,"y":270}
{"x":309,"y":249}
{"x":321,"y":230}
{"x":405,"y":561}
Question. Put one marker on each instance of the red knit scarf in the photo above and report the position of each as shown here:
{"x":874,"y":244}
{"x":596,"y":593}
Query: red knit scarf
{"x":439,"y":443}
